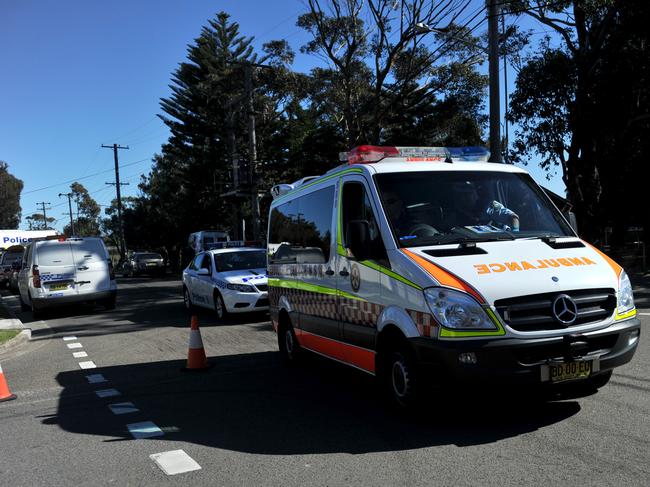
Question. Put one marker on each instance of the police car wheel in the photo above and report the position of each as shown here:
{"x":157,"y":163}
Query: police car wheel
{"x":400,"y":377}
{"x":219,"y":306}
{"x":187,"y":301}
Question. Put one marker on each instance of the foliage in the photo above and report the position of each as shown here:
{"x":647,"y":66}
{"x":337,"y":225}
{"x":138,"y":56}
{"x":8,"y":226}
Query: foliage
{"x":10,"y":189}
{"x":35,"y":222}
{"x":85,"y":220}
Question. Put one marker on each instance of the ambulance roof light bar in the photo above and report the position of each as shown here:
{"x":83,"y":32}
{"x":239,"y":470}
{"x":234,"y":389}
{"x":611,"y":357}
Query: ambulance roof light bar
{"x":371,"y":153}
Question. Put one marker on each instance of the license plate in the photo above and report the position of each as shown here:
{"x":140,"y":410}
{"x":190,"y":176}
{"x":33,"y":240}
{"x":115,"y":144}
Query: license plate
{"x":58,"y":287}
{"x":151,"y":264}
{"x":579,"y":369}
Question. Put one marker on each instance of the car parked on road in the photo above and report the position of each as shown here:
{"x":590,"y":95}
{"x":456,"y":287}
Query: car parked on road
{"x":65,"y":271}
{"x":227,"y":280}
{"x":9,"y":262}
{"x":139,"y":263}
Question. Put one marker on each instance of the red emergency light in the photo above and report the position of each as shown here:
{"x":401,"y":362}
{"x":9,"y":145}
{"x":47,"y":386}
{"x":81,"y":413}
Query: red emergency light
{"x":370,"y":153}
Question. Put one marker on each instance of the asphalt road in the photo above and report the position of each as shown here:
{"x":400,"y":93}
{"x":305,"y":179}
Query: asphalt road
{"x":250,"y":420}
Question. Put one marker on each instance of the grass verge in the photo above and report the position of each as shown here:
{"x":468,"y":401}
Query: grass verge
{"x":6,"y":335}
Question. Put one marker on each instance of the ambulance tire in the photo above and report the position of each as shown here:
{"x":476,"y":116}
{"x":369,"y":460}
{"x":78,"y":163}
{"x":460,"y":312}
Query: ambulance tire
{"x":290,"y":350}
{"x":399,"y":375}
{"x":187,"y":300}
{"x":219,"y":307}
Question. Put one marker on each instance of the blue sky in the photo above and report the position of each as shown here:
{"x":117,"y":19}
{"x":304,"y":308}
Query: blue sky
{"x":81,"y":73}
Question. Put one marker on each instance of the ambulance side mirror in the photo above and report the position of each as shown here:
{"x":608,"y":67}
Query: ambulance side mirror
{"x":357,"y":236}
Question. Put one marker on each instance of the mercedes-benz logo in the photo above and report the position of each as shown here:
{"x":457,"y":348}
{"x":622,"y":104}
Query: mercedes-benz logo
{"x":565,"y":310}
{"x":355,"y":278}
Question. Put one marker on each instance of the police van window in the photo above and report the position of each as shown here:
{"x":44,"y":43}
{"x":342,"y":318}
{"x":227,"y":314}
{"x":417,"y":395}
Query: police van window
{"x":356,"y":206}
{"x":300,"y":230}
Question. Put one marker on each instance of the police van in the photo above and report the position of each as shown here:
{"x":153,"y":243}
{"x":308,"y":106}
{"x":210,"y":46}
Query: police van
{"x":230,"y":277}
{"x":424,"y":265}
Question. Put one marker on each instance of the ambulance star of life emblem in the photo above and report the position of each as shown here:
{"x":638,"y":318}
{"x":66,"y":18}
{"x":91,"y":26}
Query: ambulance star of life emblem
{"x":355,"y":277}
{"x":565,"y":310}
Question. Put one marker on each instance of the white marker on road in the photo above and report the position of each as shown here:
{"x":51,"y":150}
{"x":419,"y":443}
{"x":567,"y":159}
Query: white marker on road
{"x":79,"y":354}
{"x":175,"y":462}
{"x":107,"y":393}
{"x":123,"y":408}
{"x":67,"y":339}
{"x":644,"y":314}
{"x":95,"y":379}
{"x":145,"y":429}
{"x":75,"y":345}
{"x":87,"y":365}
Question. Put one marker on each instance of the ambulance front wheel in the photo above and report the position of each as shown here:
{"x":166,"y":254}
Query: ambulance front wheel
{"x":288,"y":343}
{"x":399,"y":375}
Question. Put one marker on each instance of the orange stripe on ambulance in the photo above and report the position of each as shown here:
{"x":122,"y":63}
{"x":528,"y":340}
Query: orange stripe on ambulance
{"x":524,"y":265}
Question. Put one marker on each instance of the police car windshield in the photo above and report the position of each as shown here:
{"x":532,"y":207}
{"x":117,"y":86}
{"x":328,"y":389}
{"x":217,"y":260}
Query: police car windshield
{"x":240,"y":261}
{"x":435,"y":207}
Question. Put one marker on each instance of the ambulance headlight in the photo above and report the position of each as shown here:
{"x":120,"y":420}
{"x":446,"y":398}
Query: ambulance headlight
{"x":242,"y":288}
{"x":625,"y":296}
{"x":456,"y":310}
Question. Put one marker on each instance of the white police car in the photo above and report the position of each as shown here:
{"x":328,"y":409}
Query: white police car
{"x":227,"y":280}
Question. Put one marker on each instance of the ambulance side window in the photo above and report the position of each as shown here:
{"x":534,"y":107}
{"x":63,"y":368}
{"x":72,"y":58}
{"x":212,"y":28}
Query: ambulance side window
{"x":300,"y":230}
{"x":356,"y":206}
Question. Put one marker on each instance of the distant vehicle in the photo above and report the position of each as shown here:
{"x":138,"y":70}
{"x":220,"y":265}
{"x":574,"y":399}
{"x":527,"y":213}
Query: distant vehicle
{"x":10,"y":263}
{"x":22,"y":237}
{"x":138,"y":263}
{"x":200,"y":241}
{"x":227,"y":280}
{"x":65,"y":271}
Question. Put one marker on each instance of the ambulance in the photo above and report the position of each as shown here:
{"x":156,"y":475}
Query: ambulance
{"x":428,"y":265}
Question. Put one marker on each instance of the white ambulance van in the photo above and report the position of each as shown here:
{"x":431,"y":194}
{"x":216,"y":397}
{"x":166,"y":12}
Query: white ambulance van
{"x":63,"y":271}
{"x":429,"y":265}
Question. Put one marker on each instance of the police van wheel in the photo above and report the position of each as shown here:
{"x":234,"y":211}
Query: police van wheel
{"x":37,"y":314}
{"x":219,"y":306}
{"x":23,"y":305}
{"x":400,"y":377}
{"x":187,"y":301}
{"x":288,"y":344}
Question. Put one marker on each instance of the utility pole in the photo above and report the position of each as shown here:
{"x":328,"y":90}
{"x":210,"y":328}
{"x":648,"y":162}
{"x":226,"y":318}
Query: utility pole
{"x":117,"y":184}
{"x":505,"y":87}
{"x":43,"y":203}
{"x":493,"y":62}
{"x":252,"y":149}
{"x":69,"y":195}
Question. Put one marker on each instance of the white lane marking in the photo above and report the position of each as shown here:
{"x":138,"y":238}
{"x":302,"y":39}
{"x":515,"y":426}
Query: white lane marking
{"x":87,"y":365}
{"x":95,"y":378}
{"x":107,"y":393}
{"x":123,"y":408}
{"x":174,"y":462}
{"x":75,"y":345}
{"x":145,"y":429}
{"x":79,"y":354}
{"x":645,"y":314}
{"x":67,"y":339}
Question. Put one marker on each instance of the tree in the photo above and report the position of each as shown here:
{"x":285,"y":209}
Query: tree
{"x":35,"y":222}
{"x":10,"y":189}
{"x":86,"y":222}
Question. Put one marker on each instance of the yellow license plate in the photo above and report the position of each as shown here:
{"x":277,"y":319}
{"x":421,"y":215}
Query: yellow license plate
{"x":58,"y":287}
{"x":569,"y":370}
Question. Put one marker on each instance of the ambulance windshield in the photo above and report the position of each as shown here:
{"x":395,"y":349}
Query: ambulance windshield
{"x":434,"y":207}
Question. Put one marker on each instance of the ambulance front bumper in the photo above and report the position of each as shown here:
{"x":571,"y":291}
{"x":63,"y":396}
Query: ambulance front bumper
{"x":520,"y":361}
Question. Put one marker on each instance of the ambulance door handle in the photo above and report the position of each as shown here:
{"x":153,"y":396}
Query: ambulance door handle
{"x":344,"y":273}
{"x":329,"y":272}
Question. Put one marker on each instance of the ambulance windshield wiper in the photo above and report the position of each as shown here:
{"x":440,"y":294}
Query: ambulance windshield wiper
{"x":460,"y":239}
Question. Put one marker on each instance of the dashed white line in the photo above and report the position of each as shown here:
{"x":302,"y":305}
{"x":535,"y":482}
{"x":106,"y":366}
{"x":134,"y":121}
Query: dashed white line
{"x":87,"y":365}
{"x":645,"y":314}
{"x":123,"y":408}
{"x":75,"y":345}
{"x":174,"y":462}
{"x":145,"y":429}
{"x":79,"y":354}
{"x":67,"y":339}
{"x":107,"y":393}
{"x":95,"y":379}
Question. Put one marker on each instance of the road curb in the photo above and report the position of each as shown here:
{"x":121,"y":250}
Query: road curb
{"x":13,"y":323}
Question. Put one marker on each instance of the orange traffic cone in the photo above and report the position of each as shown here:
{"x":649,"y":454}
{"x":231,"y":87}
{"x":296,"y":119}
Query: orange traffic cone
{"x":5,"y":393}
{"x":196,"y":359}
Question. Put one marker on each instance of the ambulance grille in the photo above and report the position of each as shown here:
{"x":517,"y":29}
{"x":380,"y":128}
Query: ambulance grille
{"x":534,"y":312}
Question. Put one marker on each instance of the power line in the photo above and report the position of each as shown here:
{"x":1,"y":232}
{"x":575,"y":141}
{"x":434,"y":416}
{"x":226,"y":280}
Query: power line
{"x":84,"y":177}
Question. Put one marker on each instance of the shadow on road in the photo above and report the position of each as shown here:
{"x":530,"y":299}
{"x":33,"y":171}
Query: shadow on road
{"x":252,"y":403}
